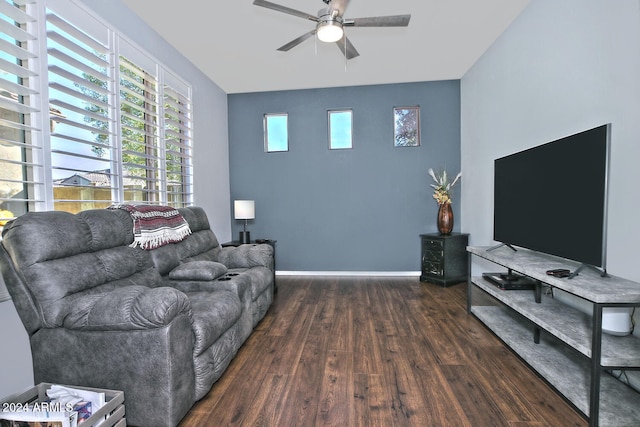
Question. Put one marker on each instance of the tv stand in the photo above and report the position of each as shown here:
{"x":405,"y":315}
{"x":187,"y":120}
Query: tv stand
{"x":563,"y":345}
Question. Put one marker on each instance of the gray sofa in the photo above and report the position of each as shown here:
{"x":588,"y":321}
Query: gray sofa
{"x":161,"y":325}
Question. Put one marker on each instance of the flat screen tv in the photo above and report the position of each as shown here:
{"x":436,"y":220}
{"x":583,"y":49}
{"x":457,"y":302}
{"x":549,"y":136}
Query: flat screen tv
{"x":553,"y":198}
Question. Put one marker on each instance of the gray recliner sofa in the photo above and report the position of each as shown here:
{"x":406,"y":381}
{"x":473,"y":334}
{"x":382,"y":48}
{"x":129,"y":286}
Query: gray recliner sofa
{"x":161,"y":325}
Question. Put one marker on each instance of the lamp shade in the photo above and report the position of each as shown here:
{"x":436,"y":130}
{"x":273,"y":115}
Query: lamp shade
{"x":244,"y":209}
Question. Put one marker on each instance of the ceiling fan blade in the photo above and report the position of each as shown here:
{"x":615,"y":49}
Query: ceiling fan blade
{"x":379,"y":21}
{"x":285,"y":9}
{"x":347,"y":48}
{"x":339,"y":5}
{"x":296,"y":42}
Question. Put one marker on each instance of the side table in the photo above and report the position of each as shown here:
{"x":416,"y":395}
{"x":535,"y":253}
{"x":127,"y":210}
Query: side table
{"x":444,"y":258}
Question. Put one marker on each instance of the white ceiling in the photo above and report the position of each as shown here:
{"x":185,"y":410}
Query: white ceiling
{"x":234,"y":42}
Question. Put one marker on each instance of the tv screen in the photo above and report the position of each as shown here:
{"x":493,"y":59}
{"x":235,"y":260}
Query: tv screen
{"x":553,"y":198}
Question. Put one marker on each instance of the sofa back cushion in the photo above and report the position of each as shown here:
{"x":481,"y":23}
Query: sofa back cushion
{"x":58,"y":255}
{"x":200,"y":245}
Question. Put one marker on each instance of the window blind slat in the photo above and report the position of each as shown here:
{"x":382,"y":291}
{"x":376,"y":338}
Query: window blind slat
{"x":14,"y":50}
{"x":9,"y":142}
{"x":15,"y":69}
{"x":16,"y":88}
{"x":79,"y":156}
{"x":79,"y":96}
{"x":21,"y":163}
{"x":70,"y":138}
{"x":18,"y":126}
{"x":16,"y":106}
{"x":82,"y":126}
{"x":67,"y":106}
{"x":146,"y":122}
{"x":182,"y":125}
{"x":173,"y":136}
{"x":80,"y":81}
{"x":15,"y":32}
{"x":78,"y":50}
{"x":147,"y":99}
{"x":76,"y":33}
{"x":68,"y":60}
{"x":16,"y":14}
{"x":24,"y":2}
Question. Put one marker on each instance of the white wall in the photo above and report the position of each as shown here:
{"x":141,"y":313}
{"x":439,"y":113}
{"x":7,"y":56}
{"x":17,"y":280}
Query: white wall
{"x":561,"y":67}
{"x":211,"y":169}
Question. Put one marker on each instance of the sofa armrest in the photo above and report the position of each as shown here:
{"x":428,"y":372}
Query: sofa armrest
{"x":128,"y":308}
{"x":238,"y":284}
{"x":247,"y":256}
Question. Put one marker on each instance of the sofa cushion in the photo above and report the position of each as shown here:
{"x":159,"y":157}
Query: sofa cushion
{"x":196,"y":217}
{"x":213,"y":313}
{"x":165,"y":258}
{"x":198,"y":270}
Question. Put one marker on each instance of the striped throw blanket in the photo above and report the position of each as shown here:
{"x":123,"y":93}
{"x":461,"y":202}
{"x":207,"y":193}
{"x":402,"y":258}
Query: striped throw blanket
{"x":155,"y":226}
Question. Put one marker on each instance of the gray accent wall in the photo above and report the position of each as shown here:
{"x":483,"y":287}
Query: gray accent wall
{"x":360,"y":209}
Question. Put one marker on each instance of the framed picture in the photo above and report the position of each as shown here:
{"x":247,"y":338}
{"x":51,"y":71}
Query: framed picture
{"x":406,"y":126}
{"x":340,"y":129}
{"x":276,"y":132}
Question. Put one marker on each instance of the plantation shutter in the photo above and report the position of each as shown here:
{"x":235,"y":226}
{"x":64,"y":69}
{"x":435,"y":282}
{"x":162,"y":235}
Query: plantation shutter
{"x":177,"y":144}
{"x":80,"y":94}
{"x":21,"y":154}
{"x":142,"y":173}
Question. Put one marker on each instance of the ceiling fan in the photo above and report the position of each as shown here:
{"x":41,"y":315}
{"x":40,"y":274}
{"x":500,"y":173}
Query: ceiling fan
{"x":330,"y":23}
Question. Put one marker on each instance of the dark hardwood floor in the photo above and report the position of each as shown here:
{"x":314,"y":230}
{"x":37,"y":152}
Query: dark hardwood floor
{"x":376,"y":352}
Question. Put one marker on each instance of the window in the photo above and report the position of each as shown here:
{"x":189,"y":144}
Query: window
{"x":340,"y":129}
{"x":406,"y":126}
{"x":115,"y":126}
{"x":21,"y":156}
{"x":82,"y":138}
{"x":155,"y":124}
{"x":140,"y":134}
{"x":177,"y":137}
{"x":276,"y":132}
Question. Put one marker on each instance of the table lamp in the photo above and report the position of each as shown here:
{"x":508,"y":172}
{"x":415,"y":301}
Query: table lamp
{"x":244,"y":209}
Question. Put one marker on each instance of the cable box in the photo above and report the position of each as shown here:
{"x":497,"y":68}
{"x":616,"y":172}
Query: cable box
{"x":510,"y":281}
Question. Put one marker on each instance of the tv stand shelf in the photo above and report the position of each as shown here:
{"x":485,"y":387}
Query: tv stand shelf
{"x":564,"y":345}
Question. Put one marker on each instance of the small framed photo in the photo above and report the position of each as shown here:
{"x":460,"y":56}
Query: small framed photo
{"x":406,"y":126}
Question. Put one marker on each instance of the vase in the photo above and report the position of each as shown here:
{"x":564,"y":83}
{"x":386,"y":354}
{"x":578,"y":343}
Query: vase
{"x":445,"y":218}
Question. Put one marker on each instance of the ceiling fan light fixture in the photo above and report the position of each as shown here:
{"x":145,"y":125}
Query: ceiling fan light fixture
{"x":329,"y":30}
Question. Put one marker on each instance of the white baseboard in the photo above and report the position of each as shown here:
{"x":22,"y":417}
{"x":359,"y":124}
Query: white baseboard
{"x":350,"y":273}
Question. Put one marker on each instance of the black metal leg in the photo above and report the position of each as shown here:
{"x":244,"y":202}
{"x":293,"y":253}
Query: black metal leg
{"x":536,"y":335}
{"x":538,"y":291}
